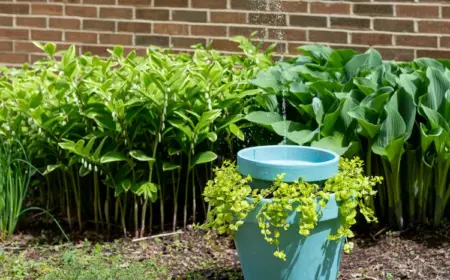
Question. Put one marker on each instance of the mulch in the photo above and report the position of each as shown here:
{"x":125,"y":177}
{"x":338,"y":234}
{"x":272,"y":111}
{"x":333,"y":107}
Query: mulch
{"x":414,"y":254}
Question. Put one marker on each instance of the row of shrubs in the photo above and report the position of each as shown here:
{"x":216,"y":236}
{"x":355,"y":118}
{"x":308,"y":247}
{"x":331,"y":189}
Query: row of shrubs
{"x":123,"y":140}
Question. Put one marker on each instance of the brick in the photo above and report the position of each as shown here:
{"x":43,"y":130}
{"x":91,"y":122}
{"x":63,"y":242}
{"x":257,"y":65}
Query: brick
{"x":31,"y":21}
{"x":63,"y":1}
{"x":373,"y":10}
{"x":136,"y":27}
{"x":152,"y":14}
{"x":13,"y":58}
{"x":26,"y":47}
{"x":394,"y":25}
{"x":135,"y":2}
{"x":6,"y":21}
{"x":308,"y":21}
{"x":292,"y":47}
{"x":446,"y":12}
{"x":246,"y":31}
{"x":423,"y":11}
{"x":101,"y":2}
{"x":81,"y":11}
{"x":171,"y":3}
{"x":228,"y":17}
{"x":15,"y":33}
{"x":329,"y":8}
{"x":350,"y":23}
{"x":208,"y":30}
{"x":434,"y":27}
{"x":190,"y":16}
{"x":225,"y":45}
{"x":433,"y":54}
{"x":445,"y":42}
{"x":64,"y":23}
{"x":6,"y":46}
{"x":416,"y":41}
{"x":371,"y":39}
{"x":81,"y":37}
{"x":171,"y":29}
{"x":46,"y":35}
{"x":267,"y":19}
{"x":46,"y":9}
{"x":208,"y":4}
{"x":143,"y":40}
{"x":327,"y":36}
{"x":100,"y":25}
{"x":36,"y":57}
{"x":288,"y":34}
{"x":247,"y":5}
{"x":139,"y":51}
{"x":279,"y":47}
{"x":186,"y":43}
{"x":396,"y":54}
{"x":126,"y":13}
{"x":119,"y":39}
{"x":96,"y":50}
{"x":288,"y":6}
{"x":14,"y":8}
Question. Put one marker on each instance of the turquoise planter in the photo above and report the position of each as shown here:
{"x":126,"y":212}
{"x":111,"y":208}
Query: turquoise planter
{"x":308,"y":258}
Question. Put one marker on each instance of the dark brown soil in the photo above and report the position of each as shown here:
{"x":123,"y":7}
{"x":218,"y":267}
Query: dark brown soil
{"x":190,"y":255}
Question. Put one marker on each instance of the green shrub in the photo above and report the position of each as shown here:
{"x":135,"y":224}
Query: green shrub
{"x":113,"y":136}
{"x":395,"y":115}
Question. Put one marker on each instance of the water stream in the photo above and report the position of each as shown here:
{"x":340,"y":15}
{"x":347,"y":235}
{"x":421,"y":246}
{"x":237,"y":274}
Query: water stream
{"x":276,"y":7}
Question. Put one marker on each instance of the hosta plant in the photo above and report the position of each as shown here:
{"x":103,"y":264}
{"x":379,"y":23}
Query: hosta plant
{"x":394,"y":115}
{"x":231,"y":199}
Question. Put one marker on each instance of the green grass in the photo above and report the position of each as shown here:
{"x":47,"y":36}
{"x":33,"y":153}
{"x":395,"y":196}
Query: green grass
{"x":71,"y":263}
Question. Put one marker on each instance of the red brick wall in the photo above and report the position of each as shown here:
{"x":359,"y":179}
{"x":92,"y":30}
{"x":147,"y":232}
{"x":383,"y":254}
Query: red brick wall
{"x":402,"y":29}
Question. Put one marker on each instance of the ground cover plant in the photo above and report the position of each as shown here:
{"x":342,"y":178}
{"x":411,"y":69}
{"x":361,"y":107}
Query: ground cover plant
{"x":126,"y":142}
{"x":229,"y":192}
{"x":393,"y":115}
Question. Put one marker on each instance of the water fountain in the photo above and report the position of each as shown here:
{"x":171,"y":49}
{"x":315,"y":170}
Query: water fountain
{"x":308,"y":258}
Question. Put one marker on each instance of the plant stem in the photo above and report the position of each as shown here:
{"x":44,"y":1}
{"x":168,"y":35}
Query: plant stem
{"x":66,"y":190}
{"x":186,"y":191}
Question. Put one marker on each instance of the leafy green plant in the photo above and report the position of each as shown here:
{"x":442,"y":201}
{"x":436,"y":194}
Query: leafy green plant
{"x":114,"y":137}
{"x":231,"y":199}
{"x":394,"y":115}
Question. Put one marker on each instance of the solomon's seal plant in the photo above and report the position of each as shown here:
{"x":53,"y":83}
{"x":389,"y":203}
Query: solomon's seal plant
{"x":231,"y":199}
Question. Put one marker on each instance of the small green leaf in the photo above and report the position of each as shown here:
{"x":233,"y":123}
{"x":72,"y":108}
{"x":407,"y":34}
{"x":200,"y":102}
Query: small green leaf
{"x":141,"y":156}
{"x":202,"y":158}
{"x":112,"y":157}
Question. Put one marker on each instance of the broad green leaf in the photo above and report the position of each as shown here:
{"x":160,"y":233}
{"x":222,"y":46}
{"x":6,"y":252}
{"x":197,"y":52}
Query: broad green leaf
{"x":112,"y":157}
{"x":141,"y":156}
{"x":367,"y":119}
{"x":318,"y":110}
{"x":360,"y":62}
{"x":318,"y":53}
{"x":263,"y":118}
{"x":237,"y":132}
{"x":437,"y":88}
{"x":53,"y":167}
{"x":333,"y":143}
{"x":202,"y":158}
{"x":169,"y":166}
{"x":148,"y":191}
{"x":207,"y":118}
{"x":302,"y":137}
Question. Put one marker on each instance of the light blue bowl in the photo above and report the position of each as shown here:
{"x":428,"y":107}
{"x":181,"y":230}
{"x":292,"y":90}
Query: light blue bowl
{"x":264,"y":163}
{"x":308,"y":258}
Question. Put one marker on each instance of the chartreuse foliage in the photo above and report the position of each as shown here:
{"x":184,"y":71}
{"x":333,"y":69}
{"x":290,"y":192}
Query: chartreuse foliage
{"x":116,"y":136}
{"x":231,"y":199}
{"x":395,"y":115}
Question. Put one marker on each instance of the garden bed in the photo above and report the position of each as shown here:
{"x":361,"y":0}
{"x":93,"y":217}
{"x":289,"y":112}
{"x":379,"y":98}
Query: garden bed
{"x":189,"y":255}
